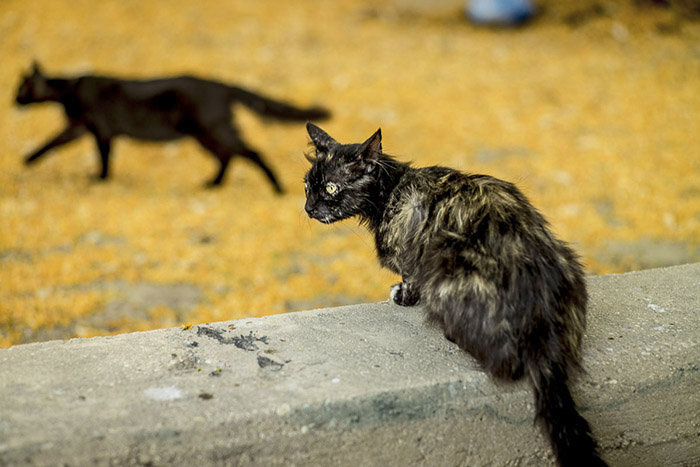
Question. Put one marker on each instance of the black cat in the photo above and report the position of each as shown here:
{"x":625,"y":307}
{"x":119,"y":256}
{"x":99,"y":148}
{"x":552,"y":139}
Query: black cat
{"x":480,"y":258}
{"x":156,"y":110}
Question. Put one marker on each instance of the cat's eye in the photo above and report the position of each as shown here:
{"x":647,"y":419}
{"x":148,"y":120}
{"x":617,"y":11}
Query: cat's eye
{"x":331,"y":188}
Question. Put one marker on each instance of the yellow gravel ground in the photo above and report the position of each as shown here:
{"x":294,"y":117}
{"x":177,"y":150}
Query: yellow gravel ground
{"x":593,"y":110}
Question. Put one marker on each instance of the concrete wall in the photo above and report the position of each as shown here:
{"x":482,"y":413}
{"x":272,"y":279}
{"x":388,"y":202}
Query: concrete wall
{"x":359,"y":385}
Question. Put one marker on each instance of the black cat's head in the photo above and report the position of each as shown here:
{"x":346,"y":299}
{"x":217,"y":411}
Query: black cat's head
{"x":339,"y":183}
{"x":34,"y":87}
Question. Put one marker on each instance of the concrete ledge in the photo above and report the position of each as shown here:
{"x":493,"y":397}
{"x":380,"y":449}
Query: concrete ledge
{"x":358,"y":385}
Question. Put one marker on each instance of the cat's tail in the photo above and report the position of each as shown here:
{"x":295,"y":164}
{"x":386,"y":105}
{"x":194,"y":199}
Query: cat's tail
{"x":277,"y":109}
{"x":569,"y":433}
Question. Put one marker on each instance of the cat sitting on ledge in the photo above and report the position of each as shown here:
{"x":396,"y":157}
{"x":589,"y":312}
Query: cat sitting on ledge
{"x":482,"y":261}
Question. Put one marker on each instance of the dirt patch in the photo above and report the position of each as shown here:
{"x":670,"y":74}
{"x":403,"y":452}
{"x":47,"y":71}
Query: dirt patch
{"x":140,"y":302}
{"x":647,"y":254}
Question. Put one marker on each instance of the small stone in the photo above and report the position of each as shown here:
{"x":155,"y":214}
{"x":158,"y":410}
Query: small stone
{"x":283,"y":410}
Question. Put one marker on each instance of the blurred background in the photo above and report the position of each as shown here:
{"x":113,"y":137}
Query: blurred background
{"x":592,"y":109}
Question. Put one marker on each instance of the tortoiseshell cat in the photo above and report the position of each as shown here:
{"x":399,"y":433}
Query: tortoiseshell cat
{"x":156,"y":110}
{"x":480,"y":258}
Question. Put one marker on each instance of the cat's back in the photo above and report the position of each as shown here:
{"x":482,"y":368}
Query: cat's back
{"x":441,"y":206}
{"x":107,"y":89}
{"x":442,"y":192}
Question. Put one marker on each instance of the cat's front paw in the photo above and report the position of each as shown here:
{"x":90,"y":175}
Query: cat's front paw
{"x":212,"y":184}
{"x":97,"y":178}
{"x":30,"y":159}
{"x":404,"y":295}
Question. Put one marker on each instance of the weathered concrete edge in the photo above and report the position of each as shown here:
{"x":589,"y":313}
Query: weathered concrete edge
{"x":364,"y":384}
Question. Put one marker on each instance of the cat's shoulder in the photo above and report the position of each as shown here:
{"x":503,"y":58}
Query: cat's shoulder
{"x":422,"y":186}
{"x":445,"y":182}
{"x":438,"y":177}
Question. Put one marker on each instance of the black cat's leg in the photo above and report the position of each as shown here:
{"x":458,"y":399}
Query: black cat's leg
{"x":224,"y":143}
{"x":405,"y":293}
{"x":224,"y":161}
{"x":104,"y":145}
{"x":255,"y":157}
{"x":214,"y":142}
{"x":222,"y":155}
{"x":67,"y":135}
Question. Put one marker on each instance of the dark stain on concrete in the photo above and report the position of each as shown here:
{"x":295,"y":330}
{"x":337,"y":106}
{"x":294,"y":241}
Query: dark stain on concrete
{"x":248,"y":342}
{"x":264,"y":362}
{"x":244,"y":342}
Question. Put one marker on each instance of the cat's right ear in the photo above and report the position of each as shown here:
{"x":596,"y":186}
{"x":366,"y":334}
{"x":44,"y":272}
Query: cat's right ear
{"x":373,"y":145}
{"x":322,"y":140}
{"x":36,"y":69}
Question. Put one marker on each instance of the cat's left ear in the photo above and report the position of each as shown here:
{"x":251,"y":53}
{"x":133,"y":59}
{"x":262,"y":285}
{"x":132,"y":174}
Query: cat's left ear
{"x":373,"y":146}
{"x":322,"y":140}
{"x":36,"y":68}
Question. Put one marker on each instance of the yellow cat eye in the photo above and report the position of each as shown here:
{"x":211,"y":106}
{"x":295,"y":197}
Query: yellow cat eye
{"x":331,"y":188}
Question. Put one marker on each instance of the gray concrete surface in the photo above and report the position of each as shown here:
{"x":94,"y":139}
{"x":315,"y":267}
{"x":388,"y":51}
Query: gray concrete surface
{"x":358,"y":385}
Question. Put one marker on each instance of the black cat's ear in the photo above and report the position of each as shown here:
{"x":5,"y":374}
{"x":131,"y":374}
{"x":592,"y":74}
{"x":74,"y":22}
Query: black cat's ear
{"x":36,"y":69}
{"x":373,"y":146}
{"x":322,"y":140}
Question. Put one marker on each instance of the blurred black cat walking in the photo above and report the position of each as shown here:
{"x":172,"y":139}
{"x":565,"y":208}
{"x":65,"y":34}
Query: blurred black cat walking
{"x":156,"y":110}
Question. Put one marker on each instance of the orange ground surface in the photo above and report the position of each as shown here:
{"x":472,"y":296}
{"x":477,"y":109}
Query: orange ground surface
{"x":593,"y":111}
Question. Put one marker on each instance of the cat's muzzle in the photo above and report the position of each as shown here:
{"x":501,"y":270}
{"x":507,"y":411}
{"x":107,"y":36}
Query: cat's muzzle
{"x":321,"y":215}
{"x":325,"y":218}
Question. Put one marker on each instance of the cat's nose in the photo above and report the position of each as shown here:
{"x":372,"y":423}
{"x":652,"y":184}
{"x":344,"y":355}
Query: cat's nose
{"x":309,"y":209}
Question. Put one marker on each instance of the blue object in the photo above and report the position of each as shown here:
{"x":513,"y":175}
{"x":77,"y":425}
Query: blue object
{"x":499,"y":12}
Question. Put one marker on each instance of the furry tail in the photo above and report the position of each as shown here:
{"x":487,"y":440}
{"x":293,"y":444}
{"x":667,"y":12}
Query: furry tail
{"x":280,"y":110}
{"x":569,"y":433}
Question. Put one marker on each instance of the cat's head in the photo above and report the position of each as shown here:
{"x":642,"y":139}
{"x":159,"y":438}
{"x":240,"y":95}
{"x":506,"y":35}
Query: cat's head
{"x":338,"y":185}
{"x":34,"y":87}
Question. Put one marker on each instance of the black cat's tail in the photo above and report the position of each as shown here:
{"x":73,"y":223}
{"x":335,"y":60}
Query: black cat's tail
{"x":280,"y":110}
{"x":569,"y":433}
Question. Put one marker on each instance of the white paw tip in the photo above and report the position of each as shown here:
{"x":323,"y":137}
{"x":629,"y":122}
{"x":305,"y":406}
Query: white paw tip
{"x":394,"y":290}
